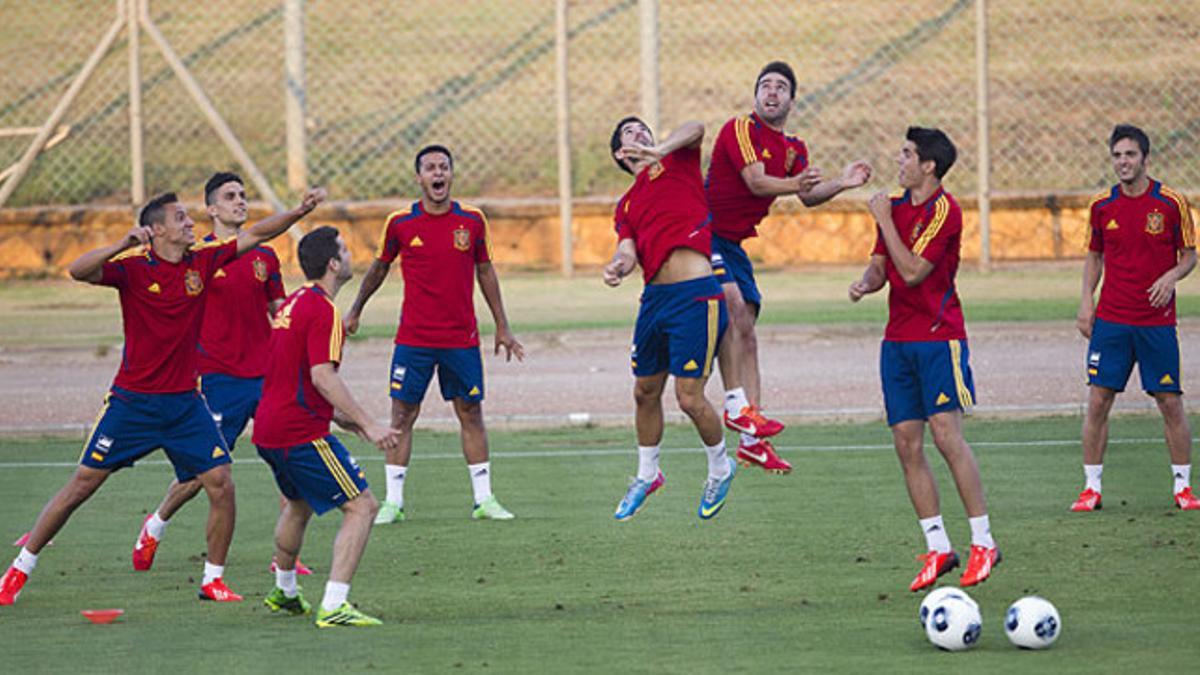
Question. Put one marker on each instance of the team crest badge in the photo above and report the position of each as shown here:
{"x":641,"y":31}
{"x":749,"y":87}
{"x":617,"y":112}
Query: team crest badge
{"x":192,"y":282}
{"x":789,"y":160}
{"x":462,"y":239}
{"x":1154,"y":223}
{"x":260,"y":270}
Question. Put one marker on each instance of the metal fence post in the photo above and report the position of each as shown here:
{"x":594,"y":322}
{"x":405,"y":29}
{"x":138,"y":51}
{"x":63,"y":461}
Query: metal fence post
{"x":981,"y":120}
{"x":564,"y":137}
{"x":295,"y":93}
{"x":648,"y":14}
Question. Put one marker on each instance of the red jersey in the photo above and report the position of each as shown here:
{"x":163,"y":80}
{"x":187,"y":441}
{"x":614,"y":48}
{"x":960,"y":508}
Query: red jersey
{"x":664,"y":210}
{"x":743,"y":141}
{"x":1140,"y":239}
{"x":438,"y":257}
{"x":162,"y":304}
{"x":236,"y":326}
{"x":930,"y":310}
{"x":306,"y":332}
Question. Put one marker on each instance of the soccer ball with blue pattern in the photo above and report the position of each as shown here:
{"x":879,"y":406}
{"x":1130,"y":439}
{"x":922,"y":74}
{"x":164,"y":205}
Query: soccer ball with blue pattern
{"x":1032,"y":623}
{"x":954,"y":624}
{"x":937,"y":595}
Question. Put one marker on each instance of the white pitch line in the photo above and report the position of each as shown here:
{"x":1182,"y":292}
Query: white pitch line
{"x":569,"y":452}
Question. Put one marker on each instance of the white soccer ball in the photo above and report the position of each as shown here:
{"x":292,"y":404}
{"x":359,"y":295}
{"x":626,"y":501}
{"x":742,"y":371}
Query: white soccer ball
{"x":937,"y":595}
{"x":954,"y":624}
{"x":1032,"y":623}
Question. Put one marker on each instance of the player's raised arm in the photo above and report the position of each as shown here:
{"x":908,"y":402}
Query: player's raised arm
{"x":489,"y":285}
{"x":854,"y":174}
{"x":371,"y":282}
{"x":89,"y":266}
{"x":276,"y":224}
{"x":687,"y":135}
{"x":912,"y":267}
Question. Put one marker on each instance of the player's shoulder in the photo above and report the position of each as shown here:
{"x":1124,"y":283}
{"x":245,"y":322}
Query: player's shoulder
{"x":1173,"y":196}
{"x":209,"y":244}
{"x":402,"y":214}
{"x":469,"y":211}
{"x":1102,"y":199}
{"x":142,"y":251}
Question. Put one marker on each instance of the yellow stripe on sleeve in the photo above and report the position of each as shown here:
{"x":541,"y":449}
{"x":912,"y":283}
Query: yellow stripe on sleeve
{"x":487,"y":234}
{"x":387,"y":225}
{"x":964,"y":394}
{"x":335,"y":337}
{"x":741,"y":128}
{"x":714,"y":324}
{"x":940,"y":209}
{"x":201,"y":245}
{"x":1187,"y":225}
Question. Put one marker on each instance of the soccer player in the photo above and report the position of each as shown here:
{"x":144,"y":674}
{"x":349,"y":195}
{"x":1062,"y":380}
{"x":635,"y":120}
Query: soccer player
{"x":444,"y":247}
{"x":754,"y":162}
{"x":923,"y":360}
{"x":662,"y":224}
{"x":1142,"y":241}
{"x":302,"y":392}
{"x":162,"y":276}
{"x":233,"y":344}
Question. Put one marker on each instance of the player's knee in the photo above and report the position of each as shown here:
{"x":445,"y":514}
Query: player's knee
{"x":646,"y":393}
{"x":691,"y":402}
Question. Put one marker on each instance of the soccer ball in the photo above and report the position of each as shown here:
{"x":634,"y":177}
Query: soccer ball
{"x":1032,"y":623}
{"x":937,"y":595}
{"x":954,"y":624}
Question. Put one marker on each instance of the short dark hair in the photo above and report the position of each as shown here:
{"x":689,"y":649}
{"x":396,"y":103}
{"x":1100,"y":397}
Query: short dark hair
{"x":1123,"y":131}
{"x":154,"y":211}
{"x":315,"y":251}
{"x":218,"y":179}
{"x":614,"y":143}
{"x":429,"y":150}
{"x":933,"y":145}
{"x":779,"y":68}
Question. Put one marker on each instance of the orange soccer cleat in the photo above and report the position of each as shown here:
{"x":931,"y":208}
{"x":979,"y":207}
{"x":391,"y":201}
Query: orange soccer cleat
{"x":936,"y":564}
{"x":762,"y":453}
{"x":1089,"y":500}
{"x":1186,"y":501}
{"x":217,"y":591}
{"x":979,"y":565}
{"x":751,"y":421}
{"x":11,"y":585}
{"x":301,"y":568}
{"x":144,"y":548}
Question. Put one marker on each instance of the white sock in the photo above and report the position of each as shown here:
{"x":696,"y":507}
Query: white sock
{"x":335,"y":595}
{"x":718,"y":460}
{"x":286,"y":581}
{"x":212,"y":572}
{"x":748,"y":440}
{"x":735,"y":400}
{"x":156,"y":527}
{"x":648,"y":462}
{"x":25,"y":561}
{"x":1183,"y":476}
{"x":1091,"y":474}
{"x":481,"y":480}
{"x":981,"y":532}
{"x":395,"y":483}
{"x":936,"y":538}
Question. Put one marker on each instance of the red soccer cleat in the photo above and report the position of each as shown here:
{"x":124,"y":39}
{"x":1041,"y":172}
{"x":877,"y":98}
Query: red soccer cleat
{"x":979,"y":565}
{"x":762,"y":454}
{"x":1186,"y":501}
{"x":217,"y":591}
{"x":301,"y":568}
{"x":1089,"y":500}
{"x":144,"y":548}
{"x":11,"y":585}
{"x":751,"y":421}
{"x":936,"y":564}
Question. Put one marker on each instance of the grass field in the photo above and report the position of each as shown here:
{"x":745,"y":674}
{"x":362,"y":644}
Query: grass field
{"x":60,"y":313}
{"x":805,"y":573}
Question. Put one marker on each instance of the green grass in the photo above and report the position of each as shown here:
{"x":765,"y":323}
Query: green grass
{"x":801,"y":573}
{"x":58,"y":313}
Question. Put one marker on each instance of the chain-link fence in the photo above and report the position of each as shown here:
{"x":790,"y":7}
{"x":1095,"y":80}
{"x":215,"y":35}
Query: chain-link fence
{"x":380,"y":79}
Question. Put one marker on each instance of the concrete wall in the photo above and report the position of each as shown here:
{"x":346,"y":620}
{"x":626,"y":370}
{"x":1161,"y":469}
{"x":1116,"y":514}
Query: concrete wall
{"x":41,"y":242}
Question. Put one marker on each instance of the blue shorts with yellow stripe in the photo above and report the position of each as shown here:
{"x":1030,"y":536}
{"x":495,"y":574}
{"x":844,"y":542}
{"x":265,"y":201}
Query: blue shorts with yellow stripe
{"x":1114,"y":347}
{"x":320,"y":472}
{"x":459,"y":371}
{"x":232,"y":400}
{"x":921,"y":379}
{"x":678,"y":328}
{"x":731,"y":265}
{"x":131,"y":425}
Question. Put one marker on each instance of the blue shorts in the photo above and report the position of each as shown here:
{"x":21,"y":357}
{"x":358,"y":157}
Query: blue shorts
{"x":678,"y":328}
{"x":132,"y":425}
{"x":459,"y":371}
{"x":320,"y":472}
{"x":921,"y":379}
{"x":232,"y":401}
{"x":1115,"y":346}
{"x":731,"y":265}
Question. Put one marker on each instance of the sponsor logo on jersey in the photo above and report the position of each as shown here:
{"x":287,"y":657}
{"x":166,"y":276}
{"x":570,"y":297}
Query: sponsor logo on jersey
{"x":916,"y":232}
{"x":220,"y":274}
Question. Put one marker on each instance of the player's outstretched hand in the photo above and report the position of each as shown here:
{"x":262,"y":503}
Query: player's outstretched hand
{"x":1162,"y":291}
{"x":506,"y":339}
{"x":880,"y":205}
{"x":382,"y":437}
{"x":856,"y":173}
{"x":808,"y":179}
{"x":350,"y":321}
{"x":312,"y":199}
{"x":1084,"y":319}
